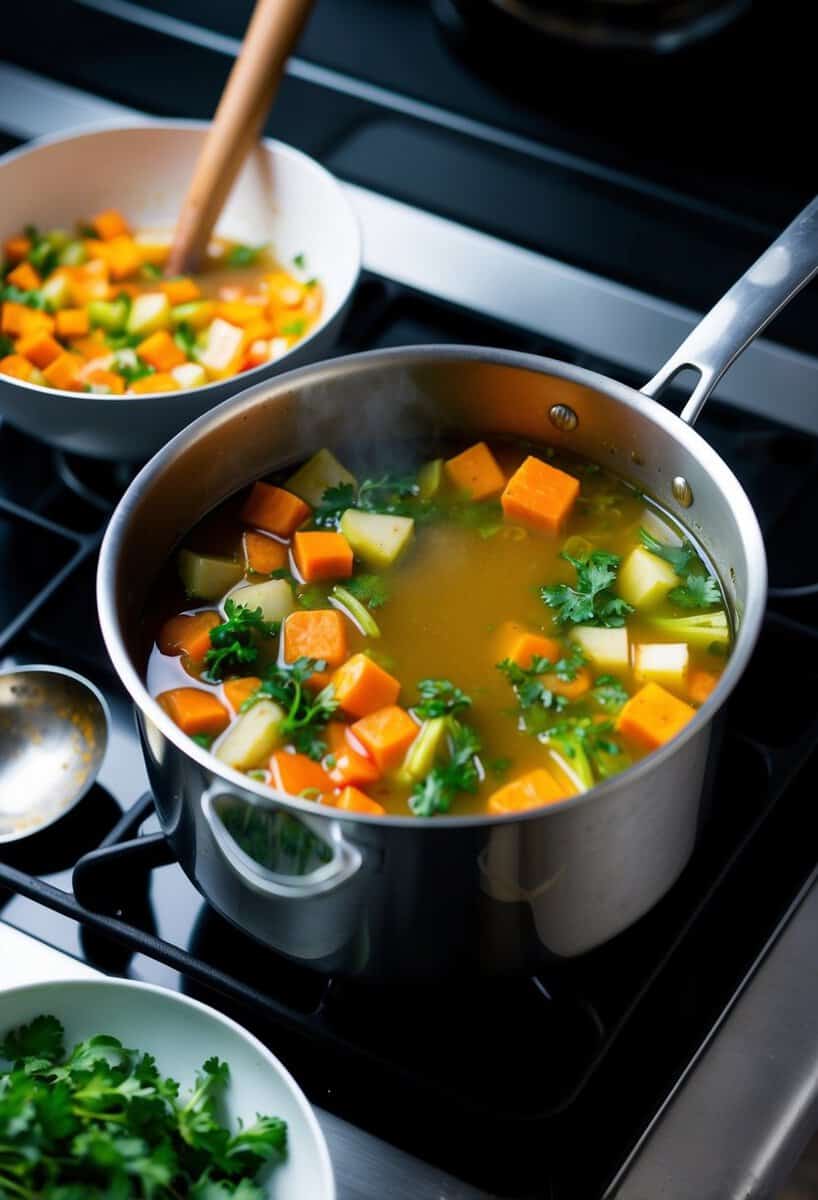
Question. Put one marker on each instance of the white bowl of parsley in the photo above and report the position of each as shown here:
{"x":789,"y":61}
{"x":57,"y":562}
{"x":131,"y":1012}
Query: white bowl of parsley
{"x":113,"y":1088}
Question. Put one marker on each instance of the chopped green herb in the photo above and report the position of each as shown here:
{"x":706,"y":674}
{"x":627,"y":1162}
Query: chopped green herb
{"x":294,"y":328}
{"x":32,"y":299}
{"x":43,"y":256}
{"x":440,"y":698}
{"x":500,"y":767}
{"x":103,"y":1121}
{"x":697,"y":591}
{"x":536,"y":702}
{"x":592,"y":601}
{"x":312,"y":595}
{"x":333,"y":504}
{"x":679,"y":557}
{"x":185,"y":338}
{"x":437,"y":791}
{"x":130,"y":366}
{"x":588,"y":748}
{"x":123,"y":341}
{"x":311,"y":283}
{"x":356,"y":610}
{"x":371,"y":590}
{"x":6,"y":345}
{"x":150,"y":270}
{"x":306,"y":715}
{"x":233,"y":642}
{"x":300,"y":261}
{"x":205,"y":740}
{"x":609,"y":693}
{"x":244,"y":256}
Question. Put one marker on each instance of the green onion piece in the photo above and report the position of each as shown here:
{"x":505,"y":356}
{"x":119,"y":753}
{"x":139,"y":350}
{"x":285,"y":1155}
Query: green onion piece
{"x":359,"y":613}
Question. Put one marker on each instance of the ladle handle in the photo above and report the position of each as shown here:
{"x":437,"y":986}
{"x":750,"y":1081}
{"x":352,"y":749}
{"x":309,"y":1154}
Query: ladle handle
{"x":741,"y":314}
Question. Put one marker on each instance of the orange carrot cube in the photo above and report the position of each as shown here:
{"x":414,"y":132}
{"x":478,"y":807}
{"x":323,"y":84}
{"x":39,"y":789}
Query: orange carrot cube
{"x":700,"y":684}
{"x":72,"y":323}
{"x":89,"y":282}
{"x":318,"y":633}
{"x":189,"y":633}
{"x":263,"y":554}
{"x":533,"y":790}
{"x":195,"y":711}
{"x":386,"y":734}
{"x":123,"y":257}
{"x":16,"y":366}
{"x":39,"y":348}
{"x":476,"y":472}
{"x":236,"y":691}
{"x":16,"y":249}
{"x":516,"y":643}
{"x":12,"y":318}
{"x":90,"y":347}
{"x":110,"y":224}
{"x":104,"y":381}
{"x":361,"y":686}
{"x":350,"y":766}
{"x":274,"y":510}
{"x":653,"y":716}
{"x":297,"y":775}
{"x":34,"y":320}
{"x":353,"y":800}
{"x":160,"y":382}
{"x":63,"y":372}
{"x":181,"y":290}
{"x":25,"y":277}
{"x":160,"y":351}
{"x":322,"y":555}
{"x":239,"y":312}
{"x":540,"y":496}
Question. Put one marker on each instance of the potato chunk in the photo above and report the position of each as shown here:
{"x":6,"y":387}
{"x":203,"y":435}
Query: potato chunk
{"x":322,"y":471}
{"x":608,"y":649}
{"x":662,"y":662}
{"x":251,"y":739}
{"x":207,"y":575}
{"x":377,"y":538}
{"x":274,"y":598}
{"x":644,"y":579}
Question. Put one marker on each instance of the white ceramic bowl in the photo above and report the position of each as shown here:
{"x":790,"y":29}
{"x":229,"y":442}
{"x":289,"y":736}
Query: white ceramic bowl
{"x":281,"y":196}
{"x":181,"y":1033}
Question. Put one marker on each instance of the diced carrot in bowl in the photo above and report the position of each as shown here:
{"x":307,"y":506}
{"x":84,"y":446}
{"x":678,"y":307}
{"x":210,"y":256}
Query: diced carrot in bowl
{"x":236,"y":691}
{"x":361,"y":686}
{"x":386,"y":734}
{"x":189,"y":633}
{"x":515,"y":642}
{"x":540,"y":496}
{"x":25,"y":277}
{"x":322,"y":555}
{"x":653,"y":716}
{"x":536,"y":789}
{"x":263,"y":554}
{"x":274,"y":510}
{"x":476,"y":472}
{"x":180,"y":291}
{"x":349,"y":766}
{"x":318,"y":633}
{"x":63,"y":372}
{"x":39,"y":348}
{"x":72,"y":322}
{"x":160,"y":351}
{"x":297,"y":775}
{"x":17,"y":367}
{"x":195,"y":710}
{"x":354,"y":800}
{"x":110,"y":224}
{"x":123,"y":257}
{"x":161,"y":381}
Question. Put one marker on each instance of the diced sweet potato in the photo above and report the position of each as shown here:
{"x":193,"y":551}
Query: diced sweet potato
{"x":189,"y":633}
{"x":540,"y":496}
{"x":110,"y":224}
{"x":350,"y":765}
{"x":195,"y":710}
{"x":515,"y":642}
{"x":700,"y":684}
{"x":17,"y":367}
{"x":180,"y":291}
{"x":72,"y":323}
{"x":89,"y":282}
{"x":262,"y":554}
{"x":160,"y":351}
{"x":239,"y":312}
{"x":533,"y":790}
{"x":318,"y":633}
{"x":24,"y":277}
{"x":476,"y":472}
{"x":361,"y":686}
{"x":322,"y":555}
{"x":653,"y":716}
{"x":298,"y":775}
{"x":123,"y":257}
{"x":39,"y":348}
{"x":161,"y":381}
{"x":274,"y":510}
{"x":236,"y":691}
{"x":90,"y":347}
{"x":353,"y":800}
{"x":63,"y":372}
{"x":386,"y":735}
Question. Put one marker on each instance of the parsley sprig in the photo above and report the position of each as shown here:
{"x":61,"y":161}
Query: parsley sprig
{"x":679,"y":557}
{"x":536,"y":702}
{"x":102,"y":1121}
{"x":588,"y":747}
{"x":436,"y":793}
{"x":390,"y":492}
{"x":440,"y":698}
{"x":593,"y":600}
{"x":371,"y":590}
{"x":306,"y":715}
{"x":233,"y":643}
{"x":609,"y":693}
{"x":697,"y":591}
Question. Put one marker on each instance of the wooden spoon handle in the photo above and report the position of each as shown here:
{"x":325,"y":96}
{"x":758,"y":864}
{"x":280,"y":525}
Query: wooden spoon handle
{"x":273,"y":30}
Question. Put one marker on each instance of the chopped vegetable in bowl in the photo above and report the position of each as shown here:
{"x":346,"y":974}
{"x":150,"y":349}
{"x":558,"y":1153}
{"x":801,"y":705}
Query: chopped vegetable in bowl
{"x":489,"y":631}
{"x":92,"y":311}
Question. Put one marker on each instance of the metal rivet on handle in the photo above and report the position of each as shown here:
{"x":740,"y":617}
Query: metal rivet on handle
{"x":563,"y":417}
{"x":681,"y":491}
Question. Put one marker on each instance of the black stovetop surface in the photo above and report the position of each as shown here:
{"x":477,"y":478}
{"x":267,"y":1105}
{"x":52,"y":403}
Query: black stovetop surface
{"x":497,"y":1082}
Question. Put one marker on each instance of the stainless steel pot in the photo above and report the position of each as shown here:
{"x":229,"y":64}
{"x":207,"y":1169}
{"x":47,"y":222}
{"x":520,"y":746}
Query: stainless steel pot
{"x":394,"y":896}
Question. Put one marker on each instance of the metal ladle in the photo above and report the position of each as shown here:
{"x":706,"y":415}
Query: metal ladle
{"x":53,"y":735}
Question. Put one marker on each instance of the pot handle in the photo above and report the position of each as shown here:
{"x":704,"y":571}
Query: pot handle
{"x":342,"y":862}
{"x":741,"y":314}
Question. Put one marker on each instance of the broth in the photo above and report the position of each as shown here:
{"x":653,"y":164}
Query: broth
{"x":458,"y":600}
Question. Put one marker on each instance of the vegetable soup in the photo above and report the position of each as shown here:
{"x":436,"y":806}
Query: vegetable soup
{"x":486,"y":632}
{"x":92,"y":311}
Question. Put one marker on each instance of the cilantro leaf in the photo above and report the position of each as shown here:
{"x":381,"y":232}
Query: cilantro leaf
{"x":679,"y":557}
{"x":536,"y":702}
{"x":305,"y":715}
{"x":592,"y":601}
{"x":333,"y":504}
{"x":697,"y":591}
{"x":588,"y":747}
{"x":34,"y":298}
{"x":300,"y":261}
{"x":608,"y":692}
{"x":232,"y":643}
{"x":42,"y":1039}
{"x":244,"y":256}
{"x":436,"y":792}
{"x":440,"y":698}
{"x":371,"y":590}
{"x":185,"y":338}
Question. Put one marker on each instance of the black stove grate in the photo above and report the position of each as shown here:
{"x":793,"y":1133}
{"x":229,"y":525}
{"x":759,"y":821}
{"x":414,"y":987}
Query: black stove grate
{"x":499,"y":1082}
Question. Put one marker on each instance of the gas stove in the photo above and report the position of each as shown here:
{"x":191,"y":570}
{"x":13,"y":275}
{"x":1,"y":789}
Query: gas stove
{"x":606,"y":1076}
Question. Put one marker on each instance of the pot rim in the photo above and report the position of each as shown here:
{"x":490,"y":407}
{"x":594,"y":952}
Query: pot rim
{"x":282,"y":149}
{"x":746,"y":630}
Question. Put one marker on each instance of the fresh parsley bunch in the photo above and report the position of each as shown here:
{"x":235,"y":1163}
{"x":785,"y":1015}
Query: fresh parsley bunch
{"x":305,"y":715}
{"x":592,"y":601}
{"x":232,"y":643}
{"x":102,"y":1123}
